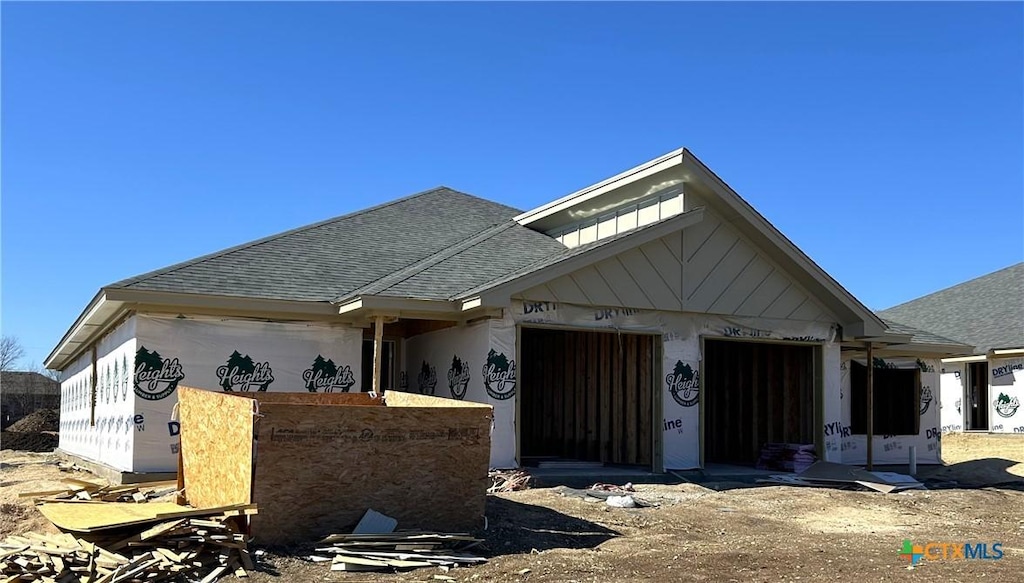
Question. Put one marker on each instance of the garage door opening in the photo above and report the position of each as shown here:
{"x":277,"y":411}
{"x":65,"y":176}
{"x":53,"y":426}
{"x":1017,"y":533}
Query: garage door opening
{"x":755,"y":393}
{"x":586,"y":396}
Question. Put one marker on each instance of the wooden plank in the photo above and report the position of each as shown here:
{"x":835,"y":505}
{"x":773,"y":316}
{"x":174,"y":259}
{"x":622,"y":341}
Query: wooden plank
{"x":609,"y":354}
{"x":627,"y":394}
{"x":552,"y":381}
{"x":645,"y":438}
{"x":579,"y":396}
{"x":593,"y":431}
{"x":617,"y":398}
{"x":563,"y":412}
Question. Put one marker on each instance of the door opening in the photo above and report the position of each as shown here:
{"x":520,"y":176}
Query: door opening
{"x":977,"y":396}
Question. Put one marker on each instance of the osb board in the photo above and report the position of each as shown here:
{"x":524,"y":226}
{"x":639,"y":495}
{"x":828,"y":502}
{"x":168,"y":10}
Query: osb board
{"x":86,"y":517}
{"x":349,"y":399}
{"x":400,"y":399}
{"x":216,"y":447}
{"x":318,"y":469}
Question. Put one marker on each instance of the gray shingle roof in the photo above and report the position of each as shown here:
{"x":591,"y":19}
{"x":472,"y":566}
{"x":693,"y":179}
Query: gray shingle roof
{"x":987,"y":312}
{"x":336,"y":257}
{"x":504,"y":249}
{"x":919,"y":336}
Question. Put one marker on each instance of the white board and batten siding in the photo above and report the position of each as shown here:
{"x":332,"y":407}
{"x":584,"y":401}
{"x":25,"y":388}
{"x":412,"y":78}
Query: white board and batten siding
{"x":709,"y":268}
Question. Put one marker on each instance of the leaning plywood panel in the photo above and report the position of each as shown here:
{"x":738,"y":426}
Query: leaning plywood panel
{"x":352,"y":399}
{"x":216,"y":447}
{"x":418,"y":459}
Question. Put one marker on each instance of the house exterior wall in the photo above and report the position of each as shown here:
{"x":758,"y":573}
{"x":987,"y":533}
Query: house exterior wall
{"x":142,"y":362}
{"x":236,"y":355}
{"x":895,"y":449}
{"x":951,"y":397}
{"x":98,"y":422}
{"x":1005,"y":395}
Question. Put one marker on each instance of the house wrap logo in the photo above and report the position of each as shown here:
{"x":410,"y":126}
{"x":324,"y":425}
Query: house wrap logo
{"x":684,"y":384}
{"x":325,"y":377}
{"x":926,"y":399}
{"x":155,"y":378}
{"x":242,"y":374}
{"x":458,"y":378}
{"x":1005,"y":370}
{"x":499,"y":375}
{"x":427,"y":379}
{"x":1005,"y":406}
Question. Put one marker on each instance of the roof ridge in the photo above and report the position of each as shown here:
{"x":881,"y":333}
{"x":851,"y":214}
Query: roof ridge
{"x":417,"y":267}
{"x":249,"y":244}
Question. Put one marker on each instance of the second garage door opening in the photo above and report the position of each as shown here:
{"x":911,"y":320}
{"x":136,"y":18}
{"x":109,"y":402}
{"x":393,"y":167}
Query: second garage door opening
{"x":755,"y":393}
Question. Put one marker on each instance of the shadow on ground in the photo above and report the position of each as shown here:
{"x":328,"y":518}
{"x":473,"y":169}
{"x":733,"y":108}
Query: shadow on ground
{"x":515,"y":528}
{"x":981,"y":473}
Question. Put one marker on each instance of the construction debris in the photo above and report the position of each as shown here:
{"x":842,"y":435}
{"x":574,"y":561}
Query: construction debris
{"x":86,"y":490}
{"x":508,"y":480}
{"x":786,"y":457}
{"x":828,"y":474}
{"x":196,"y":548}
{"x":399,"y":550}
{"x":627,"y":487}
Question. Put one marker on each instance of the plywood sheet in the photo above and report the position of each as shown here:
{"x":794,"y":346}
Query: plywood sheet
{"x":216,"y":446}
{"x":86,"y":517}
{"x":320,"y":468}
{"x":348,"y":399}
{"x":400,"y":399}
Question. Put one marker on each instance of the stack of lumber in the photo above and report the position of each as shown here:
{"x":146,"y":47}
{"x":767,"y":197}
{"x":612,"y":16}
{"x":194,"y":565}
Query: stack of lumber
{"x":508,"y":481}
{"x":91,"y":491}
{"x":198,"y":545}
{"x":397,"y":550}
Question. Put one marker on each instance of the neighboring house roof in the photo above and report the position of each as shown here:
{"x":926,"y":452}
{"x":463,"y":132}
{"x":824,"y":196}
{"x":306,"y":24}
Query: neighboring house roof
{"x":27,"y":383}
{"x":922,"y":337}
{"x":986,"y":312}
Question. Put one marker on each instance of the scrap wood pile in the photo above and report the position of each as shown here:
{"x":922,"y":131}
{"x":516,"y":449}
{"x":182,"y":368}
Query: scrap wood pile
{"x":508,"y":480}
{"x":397,"y":550}
{"x":375,"y":546}
{"x":199,"y":545}
{"x":85,"y":490}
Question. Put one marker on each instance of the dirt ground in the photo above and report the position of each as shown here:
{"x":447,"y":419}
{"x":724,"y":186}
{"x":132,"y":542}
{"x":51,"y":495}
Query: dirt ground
{"x":710,"y":532}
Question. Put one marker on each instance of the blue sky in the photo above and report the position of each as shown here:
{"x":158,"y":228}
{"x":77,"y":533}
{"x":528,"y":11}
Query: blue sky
{"x":884,"y":139}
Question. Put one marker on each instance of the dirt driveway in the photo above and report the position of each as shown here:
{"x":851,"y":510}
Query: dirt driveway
{"x":725,"y":532}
